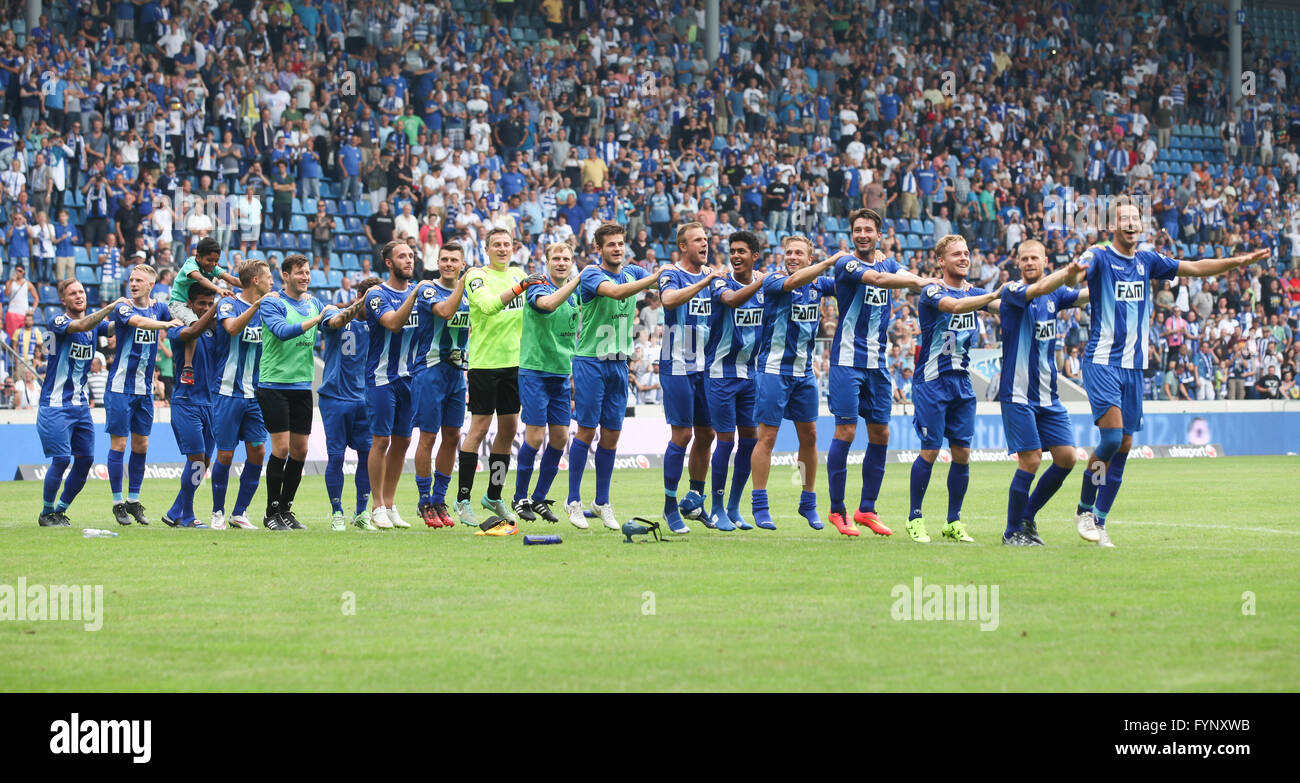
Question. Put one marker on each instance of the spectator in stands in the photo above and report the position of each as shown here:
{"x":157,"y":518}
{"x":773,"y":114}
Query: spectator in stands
{"x":8,"y":393}
{"x":22,"y":297}
{"x":322,"y":227}
{"x":250,"y":218}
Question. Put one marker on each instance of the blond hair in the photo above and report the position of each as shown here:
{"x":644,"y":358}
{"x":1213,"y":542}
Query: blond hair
{"x":947,"y":241}
{"x":785,"y":243}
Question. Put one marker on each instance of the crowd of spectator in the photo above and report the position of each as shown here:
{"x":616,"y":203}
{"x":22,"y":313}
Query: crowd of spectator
{"x":133,"y":128}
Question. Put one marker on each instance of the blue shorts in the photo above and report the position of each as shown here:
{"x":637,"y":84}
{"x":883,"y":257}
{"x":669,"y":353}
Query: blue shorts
{"x":346,"y":425}
{"x":858,"y":392}
{"x":128,"y":414}
{"x":685,"y":403}
{"x":192,"y":425}
{"x":391,"y":408}
{"x":66,"y":432}
{"x":1035,"y":427}
{"x":544,"y":397}
{"x":1117,"y":387}
{"x":237,"y":419}
{"x":785,"y":397}
{"x":599,"y":392}
{"x":438,"y":394}
{"x":731,"y":403}
{"x":945,"y":408}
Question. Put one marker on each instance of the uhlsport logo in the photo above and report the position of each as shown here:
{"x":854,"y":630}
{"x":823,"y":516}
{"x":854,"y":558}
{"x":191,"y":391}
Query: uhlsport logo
{"x":95,"y":737}
{"x":922,"y":602}
{"x":24,"y":602}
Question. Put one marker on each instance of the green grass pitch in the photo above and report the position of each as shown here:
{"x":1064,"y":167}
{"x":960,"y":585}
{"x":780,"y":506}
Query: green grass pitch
{"x":190,"y":610}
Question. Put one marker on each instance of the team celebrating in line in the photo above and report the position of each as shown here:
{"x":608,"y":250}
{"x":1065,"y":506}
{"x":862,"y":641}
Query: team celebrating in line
{"x":551,"y":348}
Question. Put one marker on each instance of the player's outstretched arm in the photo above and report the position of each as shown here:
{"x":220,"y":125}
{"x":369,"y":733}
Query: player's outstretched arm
{"x":1208,"y":267}
{"x":341,"y":318}
{"x":548,"y":303}
{"x":88,"y":322}
{"x":968,"y":304}
{"x":621,"y":291}
{"x":191,"y":332}
{"x":677,"y":297}
{"x":896,"y":280}
{"x":395,"y":320}
{"x":144,"y":322}
{"x":809,"y":273}
{"x":1049,"y":283}
{"x":448,"y":307}
{"x":739,"y":296}
{"x":236,"y":325}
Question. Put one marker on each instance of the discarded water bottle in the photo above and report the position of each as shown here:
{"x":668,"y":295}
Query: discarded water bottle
{"x":541,"y":540}
{"x":92,"y":532}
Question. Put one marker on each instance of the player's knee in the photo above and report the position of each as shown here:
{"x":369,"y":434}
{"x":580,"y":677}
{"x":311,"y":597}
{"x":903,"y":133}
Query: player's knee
{"x":255,"y":453}
{"x":1126,"y":443}
{"x":929,"y":455}
{"x":1030,"y":460}
{"x":878,"y":433}
{"x":226,"y":457}
{"x":846,"y":431}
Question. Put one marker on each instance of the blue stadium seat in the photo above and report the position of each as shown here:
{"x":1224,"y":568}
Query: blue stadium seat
{"x":363,"y":209}
{"x":255,"y":255}
{"x":335,"y":260}
{"x":298,"y":223}
{"x":81,"y":255}
{"x":331,"y":207}
{"x":87,"y":274}
{"x":334,"y":278}
{"x":928,"y":228}
{"x":347,"y":208}
{"x":309,"y":206}
{"x":92,"y":295}
{"x":269,"y":239}
{"x":352,"y":225}
{"x":343,"y":243}
{"x":350,"y":262}
{"x":318,"y":279}
{"x":297,"y":206}
{"x":48,"y":294}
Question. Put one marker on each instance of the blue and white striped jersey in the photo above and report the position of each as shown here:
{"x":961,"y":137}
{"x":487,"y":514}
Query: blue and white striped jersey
{"x":945,"y":337}
{"x":136,"y":350}
{"x":1119,"y":288}
{"x":68,"y":358}
{"x":686,"y":328}
{"x":345,"y":352}
{"x":862,"y":335}
{"x":790,"y":320}
{"x":238,"y":356}
{"x":1029,"y":344}
{"x":438,"y":339}
{"x":735,"y":334}
{"x":391,"y":353}
{"x":205,"y":345}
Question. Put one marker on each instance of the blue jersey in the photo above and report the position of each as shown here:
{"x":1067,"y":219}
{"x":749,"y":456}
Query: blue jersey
{"x":862,"y":334}
{"x":734,"y":333}
{"x":205,"y":345}
{"x":345,"y":353}
{"x":945,"y":337}
{"x":68,"y":358}
{"x":1119,"y":290}
{"x":1029,"y":344}
{"x":439,"y":339}
{"x":686,"y":327}
{"x":237,"y":356}
{"x":391,"y":353}
{"x":790,"y":320}
{"x":137,"y":349}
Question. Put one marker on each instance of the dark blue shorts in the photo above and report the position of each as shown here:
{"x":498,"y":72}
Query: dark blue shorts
{"x":66,"y":432}
{"x":438,"y":394}
{"x":945,"y":408}
{"x":1035,"y":427}
{"x":237,"y":419}
{"x":856,"y":392}
{"x":347,"y":425}
{"x":192,"y":426}
{"x":128,"y":414}
{"x":685,"y":401}
{"x":599,"y":392}
{"x":731,"y":403}
{"x":391,"y":408}
{"x":1116,"y":387}
{"x":785,"y":397}
{"x":544,"y":397}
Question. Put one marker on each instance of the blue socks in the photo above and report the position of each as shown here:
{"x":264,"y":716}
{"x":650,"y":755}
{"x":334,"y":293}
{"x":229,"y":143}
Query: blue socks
{"x":741,"y":475}
{"x":220,"y":479}
{"x":958,"y":480}
{"x":249,"y":478}
{"x":808,"y":509}
{"x":115,"y":474}
{"x":438,"y":494}
{"x":362,"y":480}
{"x":873,"y":473}
{"x":674,"y":457}
{"x":578,"y":452}
{"x":697,"y":486}
{"x":1111,"y":439}
{"x":527,"y":457}
{"x":424,"y":485}
{"x":920,"y":482}
{"x":762,"y":517}
{"x":720,"y":463}
{"x":604,"y":473}
{"x":1048,"y":483}
{"x":1017,"y":499}
{"x":190,"y":480}
{"x":1108,"y":491}
{"x":135,"y":475}
{"x":76,"y":480}
{"x":333,"y":482}
{"x":837,"y":471}
{"x":546,"y":474}
{"x":53,"y":478}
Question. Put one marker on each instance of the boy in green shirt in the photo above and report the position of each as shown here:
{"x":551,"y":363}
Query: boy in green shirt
{"x":199,"y":269}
